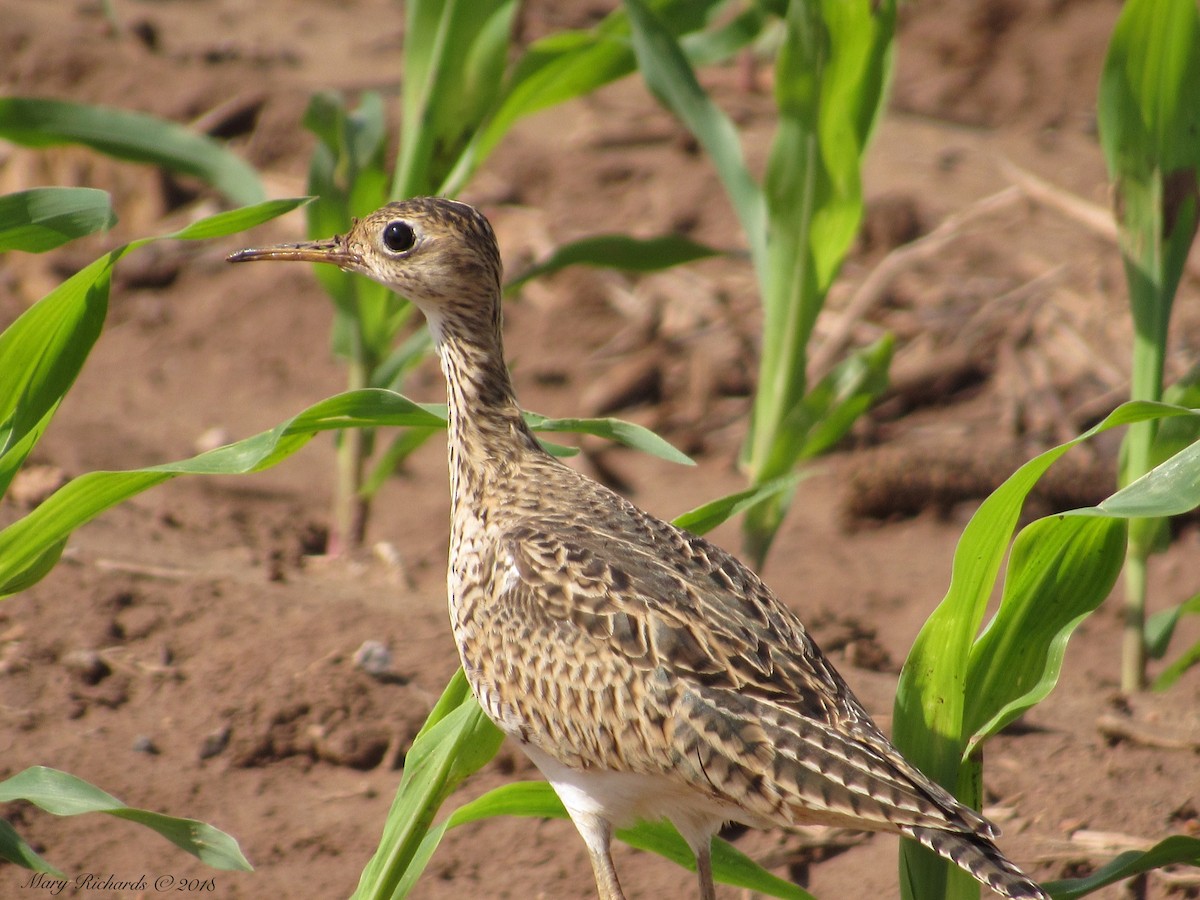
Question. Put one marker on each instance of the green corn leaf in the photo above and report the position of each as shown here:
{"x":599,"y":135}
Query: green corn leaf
{"x":824,"y":415}
{"x":553,"y":70}
{"x":231,"y":221}
{"x":15,"y":849}
{"x":708,"y":47}
{"x":454,"y":53}
{"x":456,"y":739}
{"x":929,"y":701}
{"x":569,"y":64}
{"x":1060,"y":569}
{"x":403,"y":359}
{"x":730,"y":866}
{"x":41,"y":219}
{"x":537,"y":799}
{"x":706,"y":517}
{"x":670,"y":77}
{"x":137,"y":137}
{"x":42,"y":352}
{"x":618,"y":251}
{"x":1175,"y":671}
{"x":1172,"y":850}
{"x":618,"y":430}
{"x":26,"y":546}
{"x":1160,"y":627}
{"x":393,"y":456}
{"x":629,"y":434}
{"x":1170,"y":489}
{"x":830,"y":78}
{"x":348,"y":176}
{"x":956,"y":689}
{"x":1149,"y":121}
{"x":65,"y":795}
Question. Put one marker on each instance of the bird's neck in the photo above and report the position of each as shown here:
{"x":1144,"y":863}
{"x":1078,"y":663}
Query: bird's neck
{"x":487,"y":435}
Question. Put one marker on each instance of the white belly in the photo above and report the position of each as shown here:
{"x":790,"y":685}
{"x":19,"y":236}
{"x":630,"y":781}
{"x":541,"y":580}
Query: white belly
{"x":625,"y":798}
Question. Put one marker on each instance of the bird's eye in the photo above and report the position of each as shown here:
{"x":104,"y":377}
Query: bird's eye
{"x":399,"y":236}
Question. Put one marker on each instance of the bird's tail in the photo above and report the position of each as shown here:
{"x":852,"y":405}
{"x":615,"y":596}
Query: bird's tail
{"x":982,"y":859}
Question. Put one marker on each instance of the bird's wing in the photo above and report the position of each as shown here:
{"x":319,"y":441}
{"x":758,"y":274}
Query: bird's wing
{"x":715,"y":679}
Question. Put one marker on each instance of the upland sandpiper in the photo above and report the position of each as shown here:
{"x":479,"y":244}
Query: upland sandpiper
{"x":646,"y":672}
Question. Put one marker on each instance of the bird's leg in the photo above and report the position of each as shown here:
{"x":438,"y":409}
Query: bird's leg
{"x":597,"y":834}
{"x":708,"y":890}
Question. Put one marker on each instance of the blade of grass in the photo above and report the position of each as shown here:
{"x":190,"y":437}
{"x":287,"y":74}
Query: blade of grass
{"x":618,"y":430}
{"x":65,"y":795}
{"x":1175,"y":849}
{"x":41,"y":219}
{"x":42,"y":352}
{"x":707,"y":516}
{"x":945,"y":689}
{"x":618,"y":251}
{"x":455,"y":741}
{"x":137,"y":137}
{"x":670,"y":78}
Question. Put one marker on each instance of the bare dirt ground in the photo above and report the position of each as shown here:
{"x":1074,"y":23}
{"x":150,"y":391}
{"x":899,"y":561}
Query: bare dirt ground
{"x":229,"y":691}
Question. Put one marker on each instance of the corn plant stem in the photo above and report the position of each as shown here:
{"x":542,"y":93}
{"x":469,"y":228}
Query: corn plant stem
{"x":782,"y":371}
{"x":1148,"y":356}
{"x":1133,"y":651}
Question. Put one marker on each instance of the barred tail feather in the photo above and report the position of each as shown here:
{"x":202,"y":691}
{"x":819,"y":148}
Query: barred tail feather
{"x":980,"y":858}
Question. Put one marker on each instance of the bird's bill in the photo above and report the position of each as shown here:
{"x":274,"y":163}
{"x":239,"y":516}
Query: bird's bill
{"x":329,"y":251}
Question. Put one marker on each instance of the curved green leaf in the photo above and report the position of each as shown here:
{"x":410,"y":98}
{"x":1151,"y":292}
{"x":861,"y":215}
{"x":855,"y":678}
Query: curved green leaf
{"x":42,"y":352}
{"x":1060,"y":569}
{"x":618,"y":251}
{"x":65,"y":795}
{"x":455,"y":741}
{"x":953,"y":684}
{"x":25,"y":543}
{"x":618,"y":430}
{"x":26,"y":546}
{"x":707,"y":516}
{"x":569,"y":64}
{"x":44,"y":218}
{"x":1172,"y":850}
{"x":1172,"y":673}
{"x":15,"y":849}
{"x":39,"y":122}
{"x":232,"y":221}
{"x":668,"y":74}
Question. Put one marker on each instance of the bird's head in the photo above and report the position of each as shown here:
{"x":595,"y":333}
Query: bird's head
{"x":440,"y":254}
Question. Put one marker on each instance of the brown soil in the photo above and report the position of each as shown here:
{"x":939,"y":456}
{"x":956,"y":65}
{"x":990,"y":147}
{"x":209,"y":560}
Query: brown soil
{"x":227,"y":649}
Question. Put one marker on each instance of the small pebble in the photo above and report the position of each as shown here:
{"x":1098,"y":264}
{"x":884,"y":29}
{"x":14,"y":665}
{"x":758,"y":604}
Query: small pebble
{"x":144,"y":744}
{"x":87,"y":665}
{"x":214,"y":742}
{"x":374,"y":658}
{"x":211,"y":439}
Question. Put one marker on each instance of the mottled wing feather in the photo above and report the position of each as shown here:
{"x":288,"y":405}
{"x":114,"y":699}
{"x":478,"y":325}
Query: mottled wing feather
{"x":745,"y":706}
